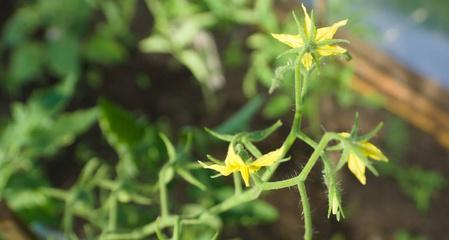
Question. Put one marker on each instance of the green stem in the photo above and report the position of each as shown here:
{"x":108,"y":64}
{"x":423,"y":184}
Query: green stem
{"x":236,"y":200}
{"x":306,"y":211}
{"x":177,"y":229}
{"x":296,"y":126}
{"x":298,"y":108}
{"x":237,"y":183}
{"x":163,"y":193}
{"x":307,"y":168}
{"x":146,"y":230}
{"x":112,"y":224}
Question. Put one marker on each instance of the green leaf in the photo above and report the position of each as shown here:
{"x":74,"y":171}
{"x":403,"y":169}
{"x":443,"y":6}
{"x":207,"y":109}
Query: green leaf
{"x":260,"y":135}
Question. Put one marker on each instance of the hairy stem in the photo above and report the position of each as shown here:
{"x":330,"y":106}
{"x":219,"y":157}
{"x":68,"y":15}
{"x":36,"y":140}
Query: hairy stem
{"x":306,"y":211}
{"x":296,"y":125}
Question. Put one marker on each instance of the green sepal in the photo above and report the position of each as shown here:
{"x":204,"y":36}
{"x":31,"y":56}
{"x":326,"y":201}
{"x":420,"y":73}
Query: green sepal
{"x":316,"y":60}
{"x":331,"y":42}
{"x":368,"y":164}
{"x":88,"y":171}
{"x":260,"y":135}
{"x":333,"y":189}
{"x":188,"y":143}
{"x":213,"y":159}
{"x":312,"y":27}
{"x":188,"y":177}
{"x":343,"y":159}
{"x":291,"y":51}
{"x":370,"y":134}
{"x":355,"y":127}
{"x":171,"y":151}
{"x":300,"y":27}
{"x":223,"y":137}
{"x":347,"y":56}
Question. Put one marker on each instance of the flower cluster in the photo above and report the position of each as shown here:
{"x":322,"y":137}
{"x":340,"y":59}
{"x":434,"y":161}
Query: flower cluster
{"x":316,"y":42}
{"x":234,"y":163}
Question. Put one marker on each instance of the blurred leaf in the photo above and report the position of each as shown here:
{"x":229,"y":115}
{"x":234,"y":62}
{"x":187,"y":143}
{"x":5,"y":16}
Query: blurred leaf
{"x":55,"y":98}
{"x":26,"y":64}
{"x":26,"y":197}
{"x":61,"y":132}
{"x":404,"y":235}
{"x":63,"y":56}
{"x":104,"y":50}
{"x":155,"y":44}
{"x":277,"y":106}
{"x":132,"y":139}
{"x":241,"y":119}
{"x":419,"y":184}
{"x":22,"y":24}
{"x":195,"y":63}
{"x":122,"y":131}
{"x":118,"y":125}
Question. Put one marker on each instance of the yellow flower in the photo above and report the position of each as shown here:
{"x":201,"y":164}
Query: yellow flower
{"x":234,"y":163}
{"x":355,"y":164}
{"x":320,"y":35}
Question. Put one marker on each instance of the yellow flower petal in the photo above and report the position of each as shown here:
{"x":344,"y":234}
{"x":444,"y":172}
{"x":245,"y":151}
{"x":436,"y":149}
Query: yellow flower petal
{"x":267,"y":159}
{"x":373,"y":152}
{"x":293,"y":41}
{"x":233,"y":161}
{"x":328,"y":50}
{"x":244,"y":171}
{"x":223,"y":170}
{"x":307,"y":60}
{"x":357,"y":167}
{"x":307,"y":21}
{"x":327,"y":33}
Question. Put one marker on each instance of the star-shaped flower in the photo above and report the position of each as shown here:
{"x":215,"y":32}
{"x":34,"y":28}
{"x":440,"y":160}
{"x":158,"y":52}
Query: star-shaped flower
{"x":317,"y":41}
{"x":234,"y":163}
{"x":355,"y":164}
